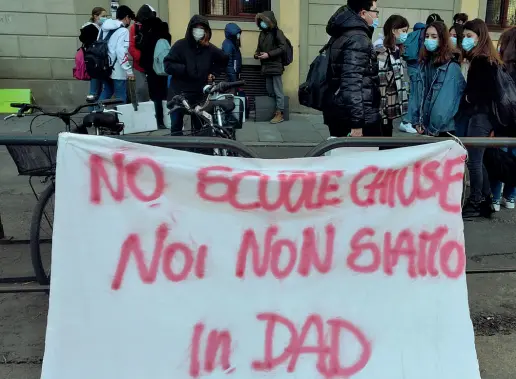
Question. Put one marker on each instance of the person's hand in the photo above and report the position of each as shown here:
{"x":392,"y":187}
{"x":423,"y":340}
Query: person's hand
{"x":263,"y":56}
{"x":130,"y":77}
{"x":356,"y":132}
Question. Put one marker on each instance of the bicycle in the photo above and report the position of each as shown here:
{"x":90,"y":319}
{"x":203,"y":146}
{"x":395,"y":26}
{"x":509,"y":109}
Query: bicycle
{"x":217,"y":105}
{"x":31,"y":162}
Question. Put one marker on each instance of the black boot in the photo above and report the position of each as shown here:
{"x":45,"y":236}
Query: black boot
{"x":473,"y":209}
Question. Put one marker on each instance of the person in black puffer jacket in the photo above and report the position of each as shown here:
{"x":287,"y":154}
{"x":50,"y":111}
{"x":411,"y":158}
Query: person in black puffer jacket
{"x":192,"y":61}
{"x":353,"y":72}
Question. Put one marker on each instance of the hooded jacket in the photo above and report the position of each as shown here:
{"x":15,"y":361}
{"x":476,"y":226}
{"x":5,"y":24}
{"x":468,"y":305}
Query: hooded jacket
{"x":353,"y":72}
{"x":271,"y":41}
{"x":231,"y":47}
{"x":190,"y":63}
{"x":144,"y":13}
{"x":118,"y":46}
{"x":89,"y":33}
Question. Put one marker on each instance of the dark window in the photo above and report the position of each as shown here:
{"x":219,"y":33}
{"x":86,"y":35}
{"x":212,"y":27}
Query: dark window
{"x":501,"y":13}
{"x":233,"y":9}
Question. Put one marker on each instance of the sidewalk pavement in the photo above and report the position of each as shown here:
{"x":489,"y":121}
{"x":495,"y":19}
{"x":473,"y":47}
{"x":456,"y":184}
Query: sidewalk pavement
{"x":301,"y":128}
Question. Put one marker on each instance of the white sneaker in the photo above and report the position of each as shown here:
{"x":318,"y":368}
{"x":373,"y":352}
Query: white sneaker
{"x":508,"y":203}
{"x":496,"y":206}
{"x":406,"y":127}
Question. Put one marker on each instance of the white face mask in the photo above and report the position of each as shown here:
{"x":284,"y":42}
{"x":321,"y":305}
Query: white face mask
{"x":198,"y":33}
{"x":238,"y":36}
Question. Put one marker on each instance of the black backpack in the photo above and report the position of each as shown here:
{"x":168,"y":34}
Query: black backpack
{"x":504,"y":107}
{"x":96,"y":58}
{"x":312,"y":93}
{"x":288,"y":54}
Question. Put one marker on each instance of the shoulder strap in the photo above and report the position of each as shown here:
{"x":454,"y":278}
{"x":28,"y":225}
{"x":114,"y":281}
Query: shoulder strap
{"x":111,"y":32}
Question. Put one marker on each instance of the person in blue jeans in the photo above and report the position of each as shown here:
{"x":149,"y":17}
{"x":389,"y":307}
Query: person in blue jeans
{"x":509,"y":193}
{"x":118,"y":49}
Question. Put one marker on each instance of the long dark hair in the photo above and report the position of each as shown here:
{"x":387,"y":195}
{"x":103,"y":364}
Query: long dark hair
{"x":459,"y":30}
{"x":484,"y":47}
{"x":394,"y":22}
{"x":444,"y":52}
{"x":507,"y":45}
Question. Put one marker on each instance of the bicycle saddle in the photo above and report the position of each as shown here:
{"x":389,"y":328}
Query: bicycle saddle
{"x":106,"y":120}
{"x":226,"y":105}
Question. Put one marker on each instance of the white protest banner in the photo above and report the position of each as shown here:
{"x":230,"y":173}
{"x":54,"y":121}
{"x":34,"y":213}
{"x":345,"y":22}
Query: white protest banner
{"x":168,"y":264}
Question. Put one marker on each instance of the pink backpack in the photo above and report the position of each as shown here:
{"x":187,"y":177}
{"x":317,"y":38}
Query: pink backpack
{"x":79,"y":71}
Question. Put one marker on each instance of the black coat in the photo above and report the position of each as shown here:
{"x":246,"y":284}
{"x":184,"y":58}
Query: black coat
{"x":154,"y":29}
{"x":354,"y":84}
{"x":480,"y":91}
{"x":273,"y":42}
{"x":89,"y":34}
{"x":190,"y":63}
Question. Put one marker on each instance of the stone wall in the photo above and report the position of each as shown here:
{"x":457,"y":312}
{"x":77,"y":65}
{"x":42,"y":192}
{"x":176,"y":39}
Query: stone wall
{"x":38,"y":42}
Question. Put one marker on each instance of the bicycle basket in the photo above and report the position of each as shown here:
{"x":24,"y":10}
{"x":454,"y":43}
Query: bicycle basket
{"x":34,"y":160}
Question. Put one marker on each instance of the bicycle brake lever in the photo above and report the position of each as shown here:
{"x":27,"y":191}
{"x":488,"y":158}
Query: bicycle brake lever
{"x":10,"y":116}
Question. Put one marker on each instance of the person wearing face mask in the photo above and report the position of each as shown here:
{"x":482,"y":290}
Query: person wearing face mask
{"x":456,"y":32}
{"x":442,"y":84}
{"x":392,"y":86}
{"x":272,"y":45}
{"x":476,"y":105}
{"x":118,"y":50}
{"x":89,"y":34}
{"x":354,"y":85}
{"x":192,"y":61}
{"x":231,"y":46}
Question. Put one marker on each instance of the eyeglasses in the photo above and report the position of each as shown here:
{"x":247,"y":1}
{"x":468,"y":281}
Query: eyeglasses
{"x":374,"y":11}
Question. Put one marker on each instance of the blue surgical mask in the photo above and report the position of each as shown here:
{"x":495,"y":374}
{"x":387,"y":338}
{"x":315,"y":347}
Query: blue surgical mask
{"x":376,"y":23}
{"x":402,"y":38}
{"x":453,"y":41}
{"x":431,"y":44}
{"x":263,"y":25}
{"x":468,"y":43}
{"x":102,"y":20}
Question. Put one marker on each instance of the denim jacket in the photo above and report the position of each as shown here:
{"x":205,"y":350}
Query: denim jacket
{"x":436,"y":110}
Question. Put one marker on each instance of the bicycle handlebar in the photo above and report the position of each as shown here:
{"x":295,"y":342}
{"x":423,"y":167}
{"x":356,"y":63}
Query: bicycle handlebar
{"x":26,"y":107}
{"x":224,"y":86}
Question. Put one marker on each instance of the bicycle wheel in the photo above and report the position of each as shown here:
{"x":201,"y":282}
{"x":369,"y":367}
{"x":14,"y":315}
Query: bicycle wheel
{"x":40,"y":251}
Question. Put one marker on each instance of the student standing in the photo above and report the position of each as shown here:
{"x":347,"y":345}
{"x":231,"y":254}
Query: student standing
{"x":89,"y":34}
{"x":477,"y":102}
{"x":441,"y":84}
{"x":392,"y":85}
{"x":118,"y":50}
{"x":271,"y":47}
{"x":231,"y":46}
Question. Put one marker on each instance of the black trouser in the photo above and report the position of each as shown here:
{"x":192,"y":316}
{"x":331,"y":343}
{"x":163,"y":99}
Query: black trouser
{"x":387,"y":128}
{"x":340,"y":129}
{"x":479,"y":125}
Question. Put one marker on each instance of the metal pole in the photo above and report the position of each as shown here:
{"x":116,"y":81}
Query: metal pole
{"x":336,"y":143}
{"x":169,"y":142}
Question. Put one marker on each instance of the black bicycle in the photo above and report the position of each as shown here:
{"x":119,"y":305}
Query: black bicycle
{"x":40,"y":161}
{"x":214,"y":113}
